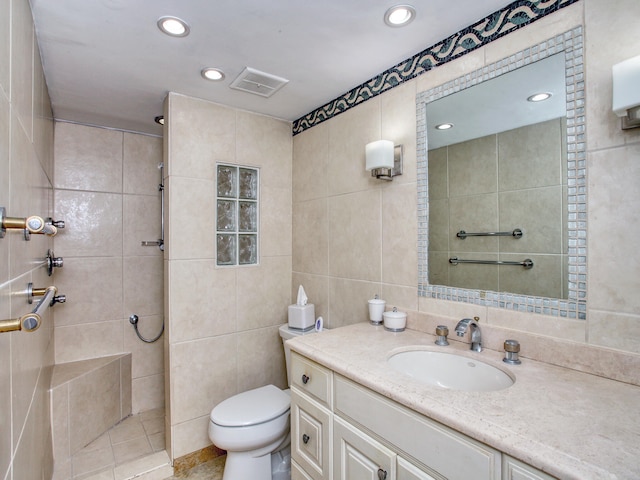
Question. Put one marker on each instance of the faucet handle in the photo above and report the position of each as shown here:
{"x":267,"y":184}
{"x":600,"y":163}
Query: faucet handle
{"x":511,"y":350}
{"x":442,"y":331}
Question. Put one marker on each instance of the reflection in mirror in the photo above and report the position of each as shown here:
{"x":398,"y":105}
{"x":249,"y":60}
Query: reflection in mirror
{"x":500,"y":168}
{"x":508,"y":165}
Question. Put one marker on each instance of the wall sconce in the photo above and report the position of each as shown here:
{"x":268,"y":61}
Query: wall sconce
{"x":383,"y":159}
{"x":626,"y":92}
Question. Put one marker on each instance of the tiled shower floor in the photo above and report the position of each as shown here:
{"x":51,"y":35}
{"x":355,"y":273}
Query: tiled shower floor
{"x":135,"y":437}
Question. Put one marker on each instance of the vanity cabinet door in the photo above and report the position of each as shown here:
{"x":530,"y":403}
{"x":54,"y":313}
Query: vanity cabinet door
{"x":513,"y":469}
{"x":310,"y":435}
{"x":297,"y":473}
{"x":409,"y":471}
{"x":356,"y":456}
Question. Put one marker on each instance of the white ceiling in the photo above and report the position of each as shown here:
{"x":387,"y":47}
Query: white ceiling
{"x":106,"y":63}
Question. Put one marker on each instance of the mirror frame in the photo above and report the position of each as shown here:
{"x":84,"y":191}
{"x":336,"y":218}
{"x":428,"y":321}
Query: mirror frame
{"x":575,"y":306}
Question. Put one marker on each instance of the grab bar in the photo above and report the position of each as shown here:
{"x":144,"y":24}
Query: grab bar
{"x":30,"y":322}
{"x":516,"y":233}
{"x":527,"y":263}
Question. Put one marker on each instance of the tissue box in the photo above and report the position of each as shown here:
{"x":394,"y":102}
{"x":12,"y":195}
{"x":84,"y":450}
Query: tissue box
{"x":302,"y":317}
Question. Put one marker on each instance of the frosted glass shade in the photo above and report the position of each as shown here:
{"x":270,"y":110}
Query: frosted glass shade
{"x":626,"y":78}
{"x":379,"y":154}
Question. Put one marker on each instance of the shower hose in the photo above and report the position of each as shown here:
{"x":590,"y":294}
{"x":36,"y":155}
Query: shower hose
{"x":133,"y":319}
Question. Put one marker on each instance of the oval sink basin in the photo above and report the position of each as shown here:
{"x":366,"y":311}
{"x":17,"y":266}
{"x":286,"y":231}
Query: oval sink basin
{"x":449,"y":370}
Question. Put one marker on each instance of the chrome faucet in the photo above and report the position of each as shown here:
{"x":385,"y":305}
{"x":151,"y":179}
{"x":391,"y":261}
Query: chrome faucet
{"x":476,"y":335}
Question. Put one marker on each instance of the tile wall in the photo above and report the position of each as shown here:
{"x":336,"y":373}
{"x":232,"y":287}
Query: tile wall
{"x":222,"y":322}
{"x":354,"y":237}
{"x":26,"y":173}
{"x":106,"y":190}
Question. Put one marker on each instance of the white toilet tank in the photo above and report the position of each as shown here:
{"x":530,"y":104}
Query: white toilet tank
{"x":286,"y":333}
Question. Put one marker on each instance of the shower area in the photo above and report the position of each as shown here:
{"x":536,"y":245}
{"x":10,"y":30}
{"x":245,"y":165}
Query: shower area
{"x":108,"y":188}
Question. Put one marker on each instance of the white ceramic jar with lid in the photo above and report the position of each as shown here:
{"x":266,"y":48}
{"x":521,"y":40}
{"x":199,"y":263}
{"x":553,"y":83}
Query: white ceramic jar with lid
{"x":395,"y":321}
{"x":376,"y":309}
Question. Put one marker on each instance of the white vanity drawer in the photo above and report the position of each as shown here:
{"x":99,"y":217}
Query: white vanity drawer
{"x":310,"y":435}
{"x":408,"y":471}
{"x":449,"y":453}
{"x":311,"y":378}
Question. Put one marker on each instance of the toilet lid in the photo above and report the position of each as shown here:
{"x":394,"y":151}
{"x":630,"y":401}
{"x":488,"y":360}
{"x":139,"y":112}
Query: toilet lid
{"x":251,"y":407}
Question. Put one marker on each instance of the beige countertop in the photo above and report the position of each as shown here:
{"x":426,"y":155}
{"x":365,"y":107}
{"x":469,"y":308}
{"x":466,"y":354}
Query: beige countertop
{"x":570,"y":424}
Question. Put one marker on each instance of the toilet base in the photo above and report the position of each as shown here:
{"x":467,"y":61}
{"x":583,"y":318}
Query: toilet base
{"x":242,"y":465}
{"x":267,"y":466}
{"x":281,"y":464}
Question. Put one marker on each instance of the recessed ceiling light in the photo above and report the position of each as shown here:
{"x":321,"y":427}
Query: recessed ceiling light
{"x":159,"y":120}
{"x":212,"y":74}
{"x":444,"y":126}
{"x":399,"y":15}
{"x":173,"y":26}
{"x":539,"y":97}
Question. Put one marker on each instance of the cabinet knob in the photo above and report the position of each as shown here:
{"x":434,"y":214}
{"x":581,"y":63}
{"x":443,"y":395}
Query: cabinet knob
{"x":382,"y":475}
{"x":305,"y":438}
{"x":305,"y":379}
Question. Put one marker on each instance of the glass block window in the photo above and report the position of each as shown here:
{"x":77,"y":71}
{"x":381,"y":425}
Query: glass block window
{"x":237,"y":215}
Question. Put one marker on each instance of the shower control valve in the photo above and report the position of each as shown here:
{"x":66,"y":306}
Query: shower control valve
{"x":53,"y":262}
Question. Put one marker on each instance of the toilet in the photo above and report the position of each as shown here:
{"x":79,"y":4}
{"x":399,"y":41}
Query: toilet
{"x":253,"y":427}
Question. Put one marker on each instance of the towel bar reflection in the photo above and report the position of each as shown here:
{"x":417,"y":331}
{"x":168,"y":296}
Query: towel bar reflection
{"x":30,"y":322}
{"x":527,"y":263}
{"x":516,"y":233}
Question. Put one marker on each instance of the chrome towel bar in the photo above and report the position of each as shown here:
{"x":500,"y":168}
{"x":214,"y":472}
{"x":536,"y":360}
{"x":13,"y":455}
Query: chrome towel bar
{"x":527,"y":263}
{"x":516,"y":233}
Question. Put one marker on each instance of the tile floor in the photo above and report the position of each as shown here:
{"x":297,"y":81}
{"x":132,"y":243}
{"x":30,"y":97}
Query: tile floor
{"x":211,"y":470}
{"x":135,"y":437}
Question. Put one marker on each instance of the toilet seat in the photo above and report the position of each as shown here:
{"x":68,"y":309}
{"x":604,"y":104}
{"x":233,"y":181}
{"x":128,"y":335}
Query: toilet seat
{"x":251,"y":407}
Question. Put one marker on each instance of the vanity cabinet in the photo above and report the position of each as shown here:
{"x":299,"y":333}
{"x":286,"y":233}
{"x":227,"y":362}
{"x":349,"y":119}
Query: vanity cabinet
{"x":341,"y":430}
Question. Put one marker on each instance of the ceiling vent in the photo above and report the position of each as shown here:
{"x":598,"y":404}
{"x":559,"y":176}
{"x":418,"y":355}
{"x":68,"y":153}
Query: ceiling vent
{"x":260,"y":83}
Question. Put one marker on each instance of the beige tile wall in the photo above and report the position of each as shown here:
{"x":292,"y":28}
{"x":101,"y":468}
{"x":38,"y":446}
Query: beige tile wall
{"x":338,"y":209}
{"x":223,"y":323}
{"x":106,"y":189}
{"x":355,"y":236}
{"x":26,"y":164}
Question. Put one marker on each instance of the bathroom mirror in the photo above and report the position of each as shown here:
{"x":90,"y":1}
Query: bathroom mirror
{"x":502,"y":194}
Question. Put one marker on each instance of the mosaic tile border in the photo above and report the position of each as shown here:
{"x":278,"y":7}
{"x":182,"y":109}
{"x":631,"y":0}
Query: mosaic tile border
{"x":575,"y":307}
{"x":514,"y":16}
